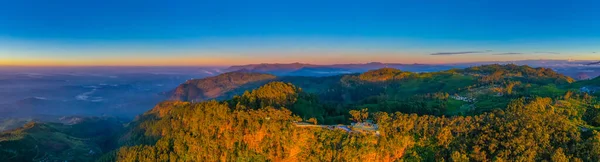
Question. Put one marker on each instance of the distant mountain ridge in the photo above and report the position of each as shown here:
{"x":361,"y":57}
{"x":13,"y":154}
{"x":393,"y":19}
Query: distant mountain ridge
{"x":377,"y":65}
{"x":302,"y":69}
{"x":594,"y":63}
{"x":265,"y":66}
{"x":572,"y":68}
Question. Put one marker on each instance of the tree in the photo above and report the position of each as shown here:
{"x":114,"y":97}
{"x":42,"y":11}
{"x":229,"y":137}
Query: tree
{"x":458,"y":157}
{"x":510,"y":86}
{"x":568,"y":95}
{"x":559,"y":156}
{"x":359,"y":115}
{"x":312,"y":120}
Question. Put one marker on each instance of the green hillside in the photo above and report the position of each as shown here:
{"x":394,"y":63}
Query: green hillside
{"x":86,"y":140}
{"x":256,"y":126}
{"x":483,"y":113}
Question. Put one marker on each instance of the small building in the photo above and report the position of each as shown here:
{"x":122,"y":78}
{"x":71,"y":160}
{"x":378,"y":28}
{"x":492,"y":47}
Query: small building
{"x":366,"y":125}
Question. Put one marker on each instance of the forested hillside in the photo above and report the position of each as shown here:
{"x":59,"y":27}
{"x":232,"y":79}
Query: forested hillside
{"x":256,"y":126}
{"x":468,"y":91}
{"x":483,"y":113}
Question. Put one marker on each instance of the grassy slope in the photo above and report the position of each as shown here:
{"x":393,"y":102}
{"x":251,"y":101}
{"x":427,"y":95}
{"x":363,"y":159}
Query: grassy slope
{"x":84,"y":141}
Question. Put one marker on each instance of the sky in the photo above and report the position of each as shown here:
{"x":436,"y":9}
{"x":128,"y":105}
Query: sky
{"x":231,"y":32}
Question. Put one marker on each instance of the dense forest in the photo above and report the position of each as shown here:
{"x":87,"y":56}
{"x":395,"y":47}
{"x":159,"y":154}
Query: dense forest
{"x":483,"y":113}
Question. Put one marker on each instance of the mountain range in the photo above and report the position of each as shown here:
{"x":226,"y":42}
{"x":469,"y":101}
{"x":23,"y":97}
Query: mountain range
{"x":567,"y":67}
{"x":301,"y":69}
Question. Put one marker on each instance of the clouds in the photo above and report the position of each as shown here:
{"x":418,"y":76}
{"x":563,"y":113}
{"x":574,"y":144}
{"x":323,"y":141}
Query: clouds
{"x":509,"y":53}
{"x":547,"y":52}
{"x":477,"y":52}
{"x":460,"y":53}
{"x":496,"y":53}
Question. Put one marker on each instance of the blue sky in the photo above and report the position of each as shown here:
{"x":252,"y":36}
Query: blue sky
{"x":234,"y":32}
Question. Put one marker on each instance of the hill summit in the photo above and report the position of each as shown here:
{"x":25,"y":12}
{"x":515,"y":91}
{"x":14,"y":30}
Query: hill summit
{"x":217,"y":86}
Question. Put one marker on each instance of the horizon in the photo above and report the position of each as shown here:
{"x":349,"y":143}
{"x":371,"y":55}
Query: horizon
{"x":186,"y":62}
{"x":189,"y":33}
{"x":283,"y":63}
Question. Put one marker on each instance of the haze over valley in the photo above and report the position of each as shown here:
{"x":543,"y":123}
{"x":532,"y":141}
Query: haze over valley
{"x":48,"y":94}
